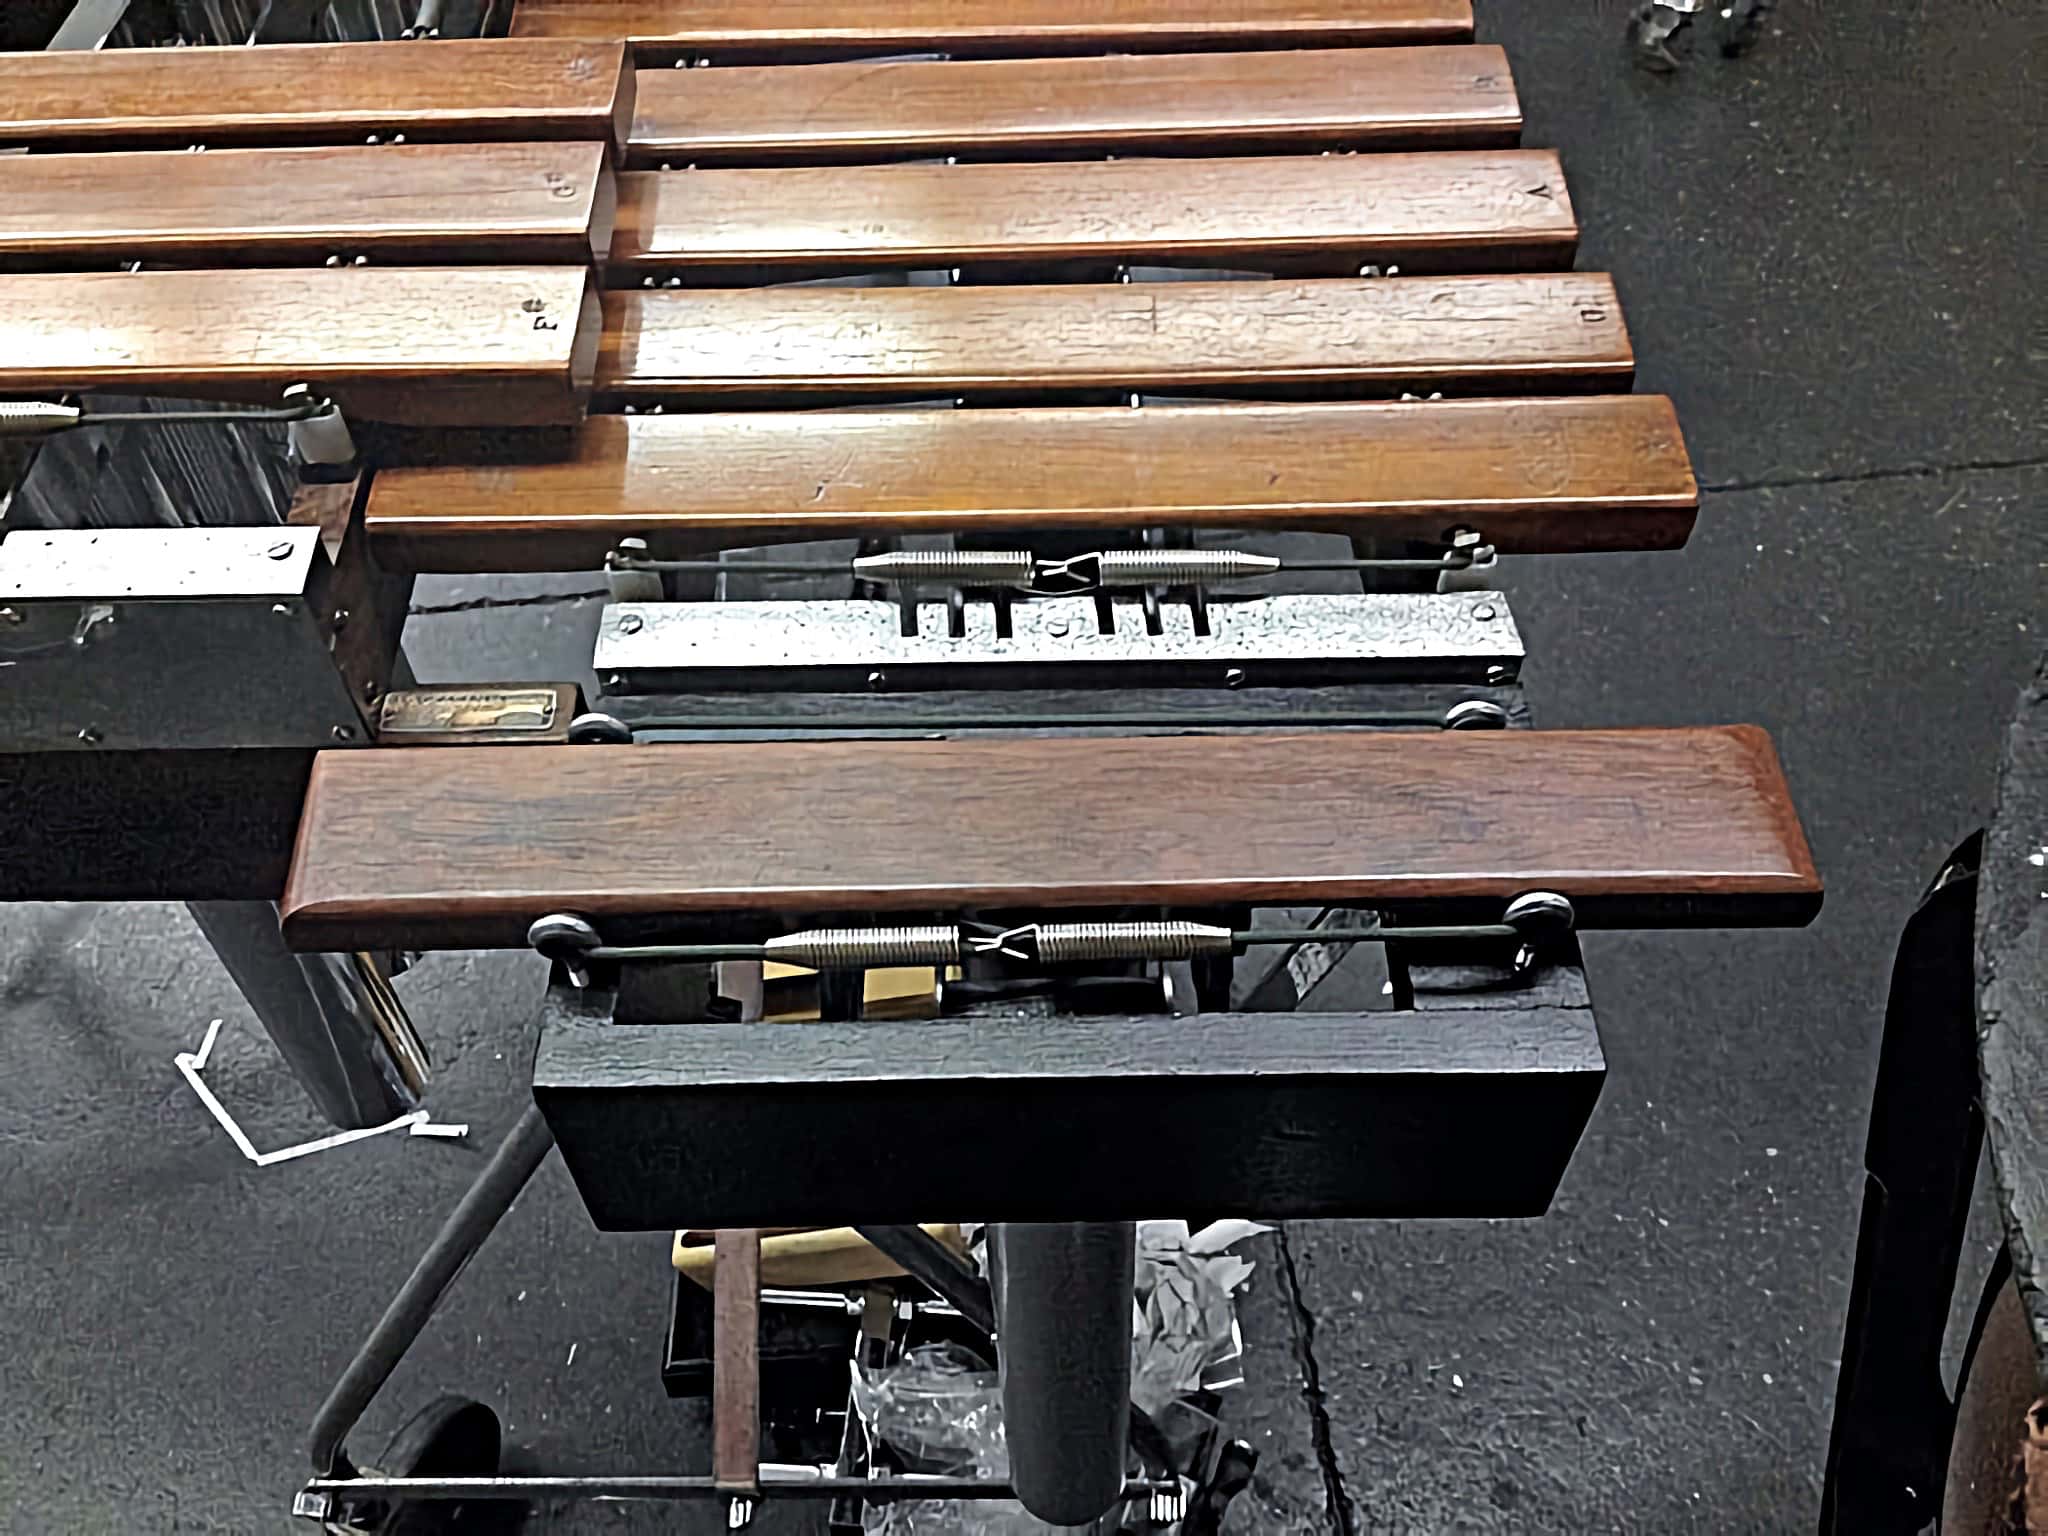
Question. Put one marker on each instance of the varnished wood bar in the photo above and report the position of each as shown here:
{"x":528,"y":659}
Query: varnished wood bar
{"x":1539,"y":333}
{"x":1602,"y":473}
{"x":1018,"y":109}
{"x":664,"y":29}
{"x":422,"y":849}
{"x":457,"y":90}
{"x":506,"y":203}
{"x":432,"y":346}
{"x":1487,"y":210}
{"x":736,"y":1359}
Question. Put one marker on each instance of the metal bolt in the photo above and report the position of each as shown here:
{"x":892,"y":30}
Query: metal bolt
{"x":89,"y":735}
{"x":1234,"y":678}
{"x":282,"y":610}
{"x":1484,"y":612}
{"x":877,"y":678}
{"x":1499,"y":674}
{"x":615,"y":680}
{"x":343,"y":733}
{"x":631,"y":624}
{"x":1058,"y":626}
{"x":370,"y":692}
{"x":10,"y":616}
{"x":341,"y":618}
{"x":279,"y":551}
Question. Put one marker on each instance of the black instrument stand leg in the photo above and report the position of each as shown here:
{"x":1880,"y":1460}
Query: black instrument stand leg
{"x":461,"y":1235}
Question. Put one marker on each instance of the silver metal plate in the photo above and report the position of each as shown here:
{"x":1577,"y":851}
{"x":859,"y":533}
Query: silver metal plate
{"x":1259,"y":642}
{"x":169,"y":638}
{"x":157,"y":563}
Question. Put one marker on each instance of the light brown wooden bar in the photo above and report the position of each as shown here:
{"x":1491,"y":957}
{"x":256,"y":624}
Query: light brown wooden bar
{"x":434,"y":346}
{"x":1604,"y":473}
{"x":1533,"y":333}
{"x":1488,"y":210}
{"x":318,"y":93}
{"x":1384,"y":98}
{"x":504,"y":203}
{"x":813,"y":28}
{"x":414,"y":849}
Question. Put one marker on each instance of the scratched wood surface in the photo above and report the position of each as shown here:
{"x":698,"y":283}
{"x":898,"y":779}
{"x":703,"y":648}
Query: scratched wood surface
{"x":1600,"y":473}
{"x":1488,"y":210}
{"x":464,"y":849}
{"x":510,"y":203}
{"x":1528,"y":332}
{"x":736,"y":1359}
{"x":1384,"y":98}
{"x":810,"y":28}
{"x":432,"y":346}
{"x":318,"y":93}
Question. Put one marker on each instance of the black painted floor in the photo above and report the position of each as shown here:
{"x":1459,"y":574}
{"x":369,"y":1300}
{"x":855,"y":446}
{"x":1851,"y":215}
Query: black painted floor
{"x":1822,"y":253}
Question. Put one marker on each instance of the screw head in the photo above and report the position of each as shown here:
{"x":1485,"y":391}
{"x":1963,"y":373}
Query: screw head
{"x":631,"y":624}
{"x":370,"y":692}
{"x":10,"y":616}
{"x":1498,"y":674}
{"x":343,"y":733}
{"x":877,"y":678}
{"x":341,"y":618}
{"x":279,"y":551}
{"x":89,"y":735}
{"x":1484,"y":612}
{"x":1234,"y":678}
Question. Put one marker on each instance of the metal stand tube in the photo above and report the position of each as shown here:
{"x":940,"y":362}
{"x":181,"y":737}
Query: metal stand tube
{"x":1063,"y":1317}
{"x":473,"y":1220}
{"x":335,"y":1021}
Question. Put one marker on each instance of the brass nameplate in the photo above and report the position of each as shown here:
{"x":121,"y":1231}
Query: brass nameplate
{"x":470,"y":714}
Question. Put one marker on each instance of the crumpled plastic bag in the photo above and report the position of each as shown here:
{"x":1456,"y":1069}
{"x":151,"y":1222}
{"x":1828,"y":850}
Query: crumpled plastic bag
{"x":940,"y":1407}
{"x":1186,"y":1319}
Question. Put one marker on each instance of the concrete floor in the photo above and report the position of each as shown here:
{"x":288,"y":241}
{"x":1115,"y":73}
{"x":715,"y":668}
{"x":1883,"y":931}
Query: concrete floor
{"x":1822,"y":253}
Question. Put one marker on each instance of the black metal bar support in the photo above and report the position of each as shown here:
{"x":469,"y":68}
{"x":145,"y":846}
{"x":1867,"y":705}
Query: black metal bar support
{"x":472,"y":1220}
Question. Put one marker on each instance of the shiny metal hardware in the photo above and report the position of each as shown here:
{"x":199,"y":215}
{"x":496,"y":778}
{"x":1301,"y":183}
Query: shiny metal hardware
{"x":1150,"y":567}
{"x":46,"y":418}
{"x":855,"y":949}
{"x":948,"y":567}
{"x":1467,"y":564}
{"x":1068,"y":943}
{"x":1531,"y":920}
{"x":1280,"y":640}
{"x":1475,"y":715}
{"x":594,"y":728}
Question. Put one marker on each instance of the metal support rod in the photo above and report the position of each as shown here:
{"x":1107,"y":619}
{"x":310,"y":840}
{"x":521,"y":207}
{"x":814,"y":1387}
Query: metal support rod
{"x":923,"y":1256}
{"x":564,"y":936}
{"x":823,"y":1486}
{"x":472,"y":1220}
{"x":1063,"y":1311}
{"x":1021,"y":571}
{"x":333,"y":1018}
{"x":88,"y":25}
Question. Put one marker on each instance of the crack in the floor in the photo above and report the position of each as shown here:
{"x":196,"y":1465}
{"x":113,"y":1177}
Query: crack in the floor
{"x":476,"y":604}
{"x":1343,"y":1515}
{"x":1864,"y":476}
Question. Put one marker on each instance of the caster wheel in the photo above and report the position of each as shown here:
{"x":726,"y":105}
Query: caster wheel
{"x":450,"y":1437}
